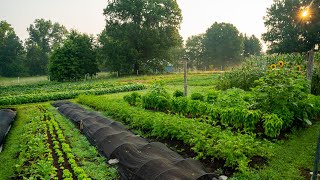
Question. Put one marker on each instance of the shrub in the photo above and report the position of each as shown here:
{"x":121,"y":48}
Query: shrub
{"x":281,"y":92}
{"x":133,"y":99}
{"x":212,"y":96}
{"x":197,"y":96}
{"x":272,"y":125}
{"x":179,"y":105}
{"x":178,"y":93}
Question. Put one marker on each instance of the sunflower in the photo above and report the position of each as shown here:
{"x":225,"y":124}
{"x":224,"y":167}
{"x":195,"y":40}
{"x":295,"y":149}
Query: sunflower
{"x":299,"y":68}
{"x":281,"y":64}
{"x":273,"y":66}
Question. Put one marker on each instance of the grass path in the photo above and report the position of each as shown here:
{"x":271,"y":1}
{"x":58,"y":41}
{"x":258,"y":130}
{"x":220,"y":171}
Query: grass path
{"x":293,"y":158}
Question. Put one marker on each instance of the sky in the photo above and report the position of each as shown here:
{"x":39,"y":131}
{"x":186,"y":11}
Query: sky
{"x":86,"y":15}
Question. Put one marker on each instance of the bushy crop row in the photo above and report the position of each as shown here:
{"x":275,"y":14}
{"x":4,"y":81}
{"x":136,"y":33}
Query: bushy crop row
{"x":207,"y":141}
{"x":275,"y":108}
{"x":42,"y":97}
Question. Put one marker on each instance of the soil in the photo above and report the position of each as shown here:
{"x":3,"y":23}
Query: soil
{"x":66,"y":164}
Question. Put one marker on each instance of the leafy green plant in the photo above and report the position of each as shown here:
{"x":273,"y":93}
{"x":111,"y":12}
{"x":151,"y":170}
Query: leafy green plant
{"x":272,"y":125}
{"x":178,"y":93}
{"x":207,"y":141}
{"x":280,"y":92}
{"x":197,"y":96}
{"x":133,"y":99}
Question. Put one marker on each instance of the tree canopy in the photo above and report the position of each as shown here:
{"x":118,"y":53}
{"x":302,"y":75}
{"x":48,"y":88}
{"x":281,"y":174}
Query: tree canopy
{"x":74,"y":59}
{"x":140,"y":34}
{"x":11,"y":51}
{"x":251,"y":46}
{"x":223,"y":44}
{"x":43,"y":36}
{"x":194,"y":50}
{"x":287,"y":30}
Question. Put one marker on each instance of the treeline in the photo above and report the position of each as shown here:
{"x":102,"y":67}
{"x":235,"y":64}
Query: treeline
{"x":142,"y":37}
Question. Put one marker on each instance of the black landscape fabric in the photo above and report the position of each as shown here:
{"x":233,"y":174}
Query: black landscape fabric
{"x":6,"y":118}
{"x":138,"y":159}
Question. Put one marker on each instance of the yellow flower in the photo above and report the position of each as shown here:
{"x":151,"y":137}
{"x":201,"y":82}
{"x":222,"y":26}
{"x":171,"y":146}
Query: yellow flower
{"x":299,"y":68}
{"x":273,"y":66}
{"x":281,"y":64}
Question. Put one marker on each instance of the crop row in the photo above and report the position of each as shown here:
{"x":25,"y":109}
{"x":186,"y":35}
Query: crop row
{"x":63,"y":151}
{"x":42,"y":97}
{"x":54,"y":87}
{"x":38,"y":147}
{"x":206,"y":141}
{"x":35,"y":157}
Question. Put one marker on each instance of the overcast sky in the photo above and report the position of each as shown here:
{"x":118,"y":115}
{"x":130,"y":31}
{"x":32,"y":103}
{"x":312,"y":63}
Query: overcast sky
{"x":86,"y":15}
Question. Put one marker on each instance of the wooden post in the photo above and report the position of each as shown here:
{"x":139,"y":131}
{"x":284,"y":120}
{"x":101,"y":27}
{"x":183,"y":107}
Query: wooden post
{"x":185,"y":77}
{"x":316,"y":160}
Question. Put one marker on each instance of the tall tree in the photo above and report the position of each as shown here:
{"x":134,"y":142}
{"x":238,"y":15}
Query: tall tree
{"x":43,"y":36}
{"x":223,"y":44}
{"x":11,"y":51}
{"x":287,"y":30}
{"x":139,"y":34}
{"x":251,"y":45}
{"x":75,"y":58}
{"x":195,"y":50}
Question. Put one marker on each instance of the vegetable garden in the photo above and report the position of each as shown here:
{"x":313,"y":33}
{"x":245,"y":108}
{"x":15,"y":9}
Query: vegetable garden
{"x":242,"y":123}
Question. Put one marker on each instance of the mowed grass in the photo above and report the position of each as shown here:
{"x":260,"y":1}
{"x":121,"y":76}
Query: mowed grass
{"x":294,"y":158}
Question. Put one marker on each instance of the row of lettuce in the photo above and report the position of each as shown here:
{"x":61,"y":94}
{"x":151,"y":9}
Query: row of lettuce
{"x":43,"y":97}
{"x":207,"y":141}
{"x":39,"y":148}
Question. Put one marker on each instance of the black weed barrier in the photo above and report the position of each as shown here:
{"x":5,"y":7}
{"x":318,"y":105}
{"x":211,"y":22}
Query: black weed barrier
{"x":6,"y":118}
{"x":138,"y":159}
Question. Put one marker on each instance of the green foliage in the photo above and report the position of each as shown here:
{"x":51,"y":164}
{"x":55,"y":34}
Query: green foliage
{"x":197,"y":96}
{"x":42,"y":97}
{"x":287,"y":31}
{"x":207,"y":141}
{"x":157,"y":98}
{"x":315,"y":85}
{"x":223,"y":44}
{"x":133,"y":99}
{"x":194,"y":51}
{"x":254,"y":68}
{"x":140,"y":36}
{"x":44,"y":35}
{"x":74,"y":59}
{"x":179,"y":105}
{"x":11,"y":52}
{"x":272,"y":125}
{"x":178,"y":93}
{"x":252,"y":46}
{"x":280,"y":92}
{"x":212,"y":96}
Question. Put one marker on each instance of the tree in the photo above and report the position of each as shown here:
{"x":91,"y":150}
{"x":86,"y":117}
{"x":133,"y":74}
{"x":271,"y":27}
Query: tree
{"x":11,"y":51}
{"x":223,"y":44}
{"x":139,"y":34}
{"x":195,"y":50}
{"x":43,"y":37}
{"x":75,"y":58}
{"x":251,"y":45}
{"x":287,"y":31}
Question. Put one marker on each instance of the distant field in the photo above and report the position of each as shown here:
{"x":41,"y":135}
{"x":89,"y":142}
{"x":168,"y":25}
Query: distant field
{"x":22,"y":81}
